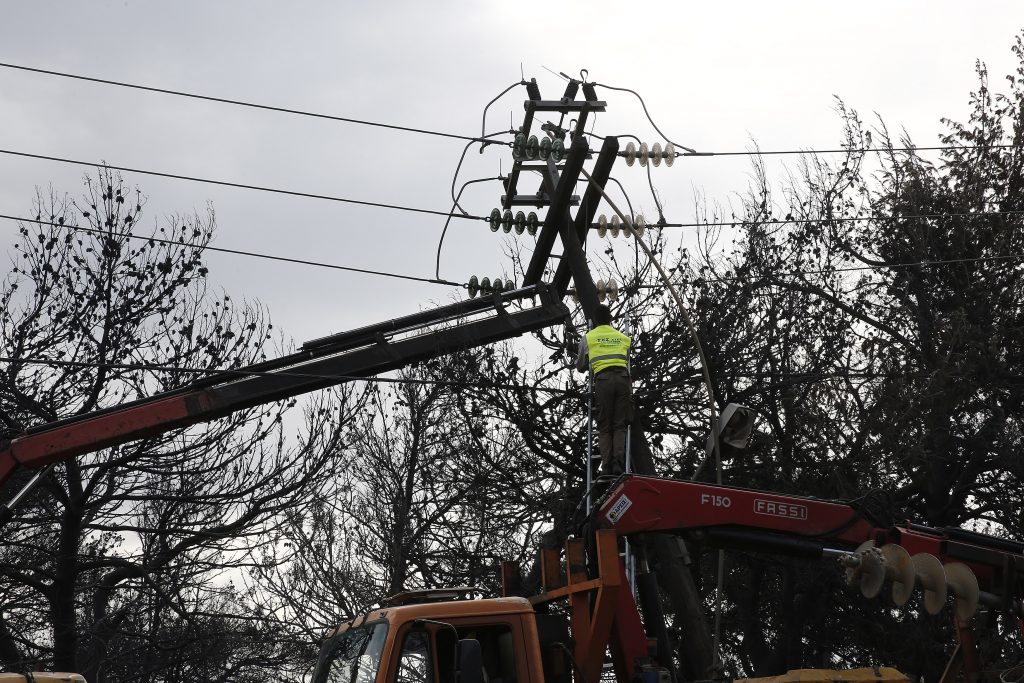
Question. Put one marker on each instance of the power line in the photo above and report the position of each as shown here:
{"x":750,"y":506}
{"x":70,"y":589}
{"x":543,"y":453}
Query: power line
{"x":811,"y":151}
{"x":483,"y":138}
{"x":805,"y":378}
{"x":243,"y":186}
{"x":794,"y":377}
{"x":835,"y":219}
{"x":827,"y":271}
{"x":252,"y":105}
{"x":237,"y":252}
{"x":689,"y":152}
{"x":455,"y":205}
{"x":284,"y":373}
{"x":853,"y":150}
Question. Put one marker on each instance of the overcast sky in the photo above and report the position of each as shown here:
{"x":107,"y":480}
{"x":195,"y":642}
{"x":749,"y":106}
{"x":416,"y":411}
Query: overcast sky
{"x":715,"y":77}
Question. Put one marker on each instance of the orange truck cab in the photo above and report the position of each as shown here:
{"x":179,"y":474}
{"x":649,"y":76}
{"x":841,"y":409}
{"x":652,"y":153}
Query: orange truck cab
{"x":416,"y":639}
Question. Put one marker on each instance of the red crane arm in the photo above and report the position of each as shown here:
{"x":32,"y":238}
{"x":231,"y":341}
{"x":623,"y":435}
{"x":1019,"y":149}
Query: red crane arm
{"x":321,"y":363}
{"x":641,"y":504}
{"x":735,"y":517}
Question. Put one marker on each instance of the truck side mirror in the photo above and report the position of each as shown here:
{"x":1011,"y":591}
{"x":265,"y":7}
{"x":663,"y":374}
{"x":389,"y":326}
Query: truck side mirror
{"x":470,"y":662}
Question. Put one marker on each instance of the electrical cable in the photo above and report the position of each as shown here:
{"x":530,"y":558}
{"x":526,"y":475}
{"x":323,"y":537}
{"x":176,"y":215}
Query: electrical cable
{"x":861,"y":150}
{"x":241,"y":103}
{"x":809,"y":378}
{"x":482,"y":139}
{"x":625,"y":195}
{"x":580,"y":676}
{"x":859,"y":506}
{"x":836,"y":219}
{"x":647,"y":114}
{"x":458,"y":167}
{"x":455,"y":200}
{"x":483,"y":117}
{"x":824,"y":271}
{"x":238,"y":252}
{"x":817,"y":152}
{"x":654,"y":194}
{"x":225,"y":183}
{"x":854,"y":150}
{"x":242,"y":373}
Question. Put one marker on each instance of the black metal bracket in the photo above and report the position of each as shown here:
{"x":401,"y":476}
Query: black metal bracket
{"x":558,"y":179}
{"x":540,"y":200}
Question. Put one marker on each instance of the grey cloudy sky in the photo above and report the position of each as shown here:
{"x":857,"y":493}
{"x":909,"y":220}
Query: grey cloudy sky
{"x":715,"y":77}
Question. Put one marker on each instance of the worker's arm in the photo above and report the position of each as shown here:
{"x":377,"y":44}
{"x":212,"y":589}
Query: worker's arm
{"x":581,"y":356}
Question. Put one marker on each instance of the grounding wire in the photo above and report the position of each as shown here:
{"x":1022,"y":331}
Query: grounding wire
{"x":284,"y":373}
{"x":228,"y":250}
{"x":243,"y":186}
{"x":241,"y":103}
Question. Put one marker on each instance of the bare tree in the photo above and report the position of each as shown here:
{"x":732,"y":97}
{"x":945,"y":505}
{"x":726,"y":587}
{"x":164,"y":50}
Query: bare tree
{"x":429,"y":495}
{"x":88,"y":311}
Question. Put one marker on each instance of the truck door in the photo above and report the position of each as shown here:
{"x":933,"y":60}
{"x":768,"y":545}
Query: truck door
{"x":427,"y":654}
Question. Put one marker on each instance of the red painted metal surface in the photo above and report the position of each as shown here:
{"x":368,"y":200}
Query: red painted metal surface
{"x":7,"y":466}
{"x":650,"y":504}
{"x":628,"y":639}
{"x":915,"y":542}
{"x":106,"y":429}
{"x":642,"y":504}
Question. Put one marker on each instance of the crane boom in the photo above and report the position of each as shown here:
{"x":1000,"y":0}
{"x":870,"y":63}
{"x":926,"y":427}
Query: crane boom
{"x":320,"y":363}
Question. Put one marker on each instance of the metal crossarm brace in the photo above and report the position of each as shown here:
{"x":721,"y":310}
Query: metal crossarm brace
{"x":585,"y":215}
{"x":574,"y":258}
{"x":558,"y":212}
{"x":568,"y":104}
{"x":512,"y":182}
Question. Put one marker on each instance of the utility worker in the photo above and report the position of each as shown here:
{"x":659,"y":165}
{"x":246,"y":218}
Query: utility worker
{"x":605,"y":351}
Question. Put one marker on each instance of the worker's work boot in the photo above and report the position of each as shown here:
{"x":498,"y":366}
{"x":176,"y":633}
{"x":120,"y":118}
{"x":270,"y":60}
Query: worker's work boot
{"x":601,"y":484}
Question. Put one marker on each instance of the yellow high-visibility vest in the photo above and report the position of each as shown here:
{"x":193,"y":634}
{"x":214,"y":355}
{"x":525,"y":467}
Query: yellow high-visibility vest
{"x":607,"y":348}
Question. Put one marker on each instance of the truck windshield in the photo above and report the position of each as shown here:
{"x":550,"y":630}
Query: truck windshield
{"x":352,"y":656}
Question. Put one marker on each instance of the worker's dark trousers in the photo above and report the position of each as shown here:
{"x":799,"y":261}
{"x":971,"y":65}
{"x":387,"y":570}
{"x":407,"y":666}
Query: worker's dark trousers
{"x":614,"y":405}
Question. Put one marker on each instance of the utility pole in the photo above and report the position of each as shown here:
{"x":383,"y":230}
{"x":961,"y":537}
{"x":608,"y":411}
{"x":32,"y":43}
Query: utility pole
{"x":560,"y":173}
